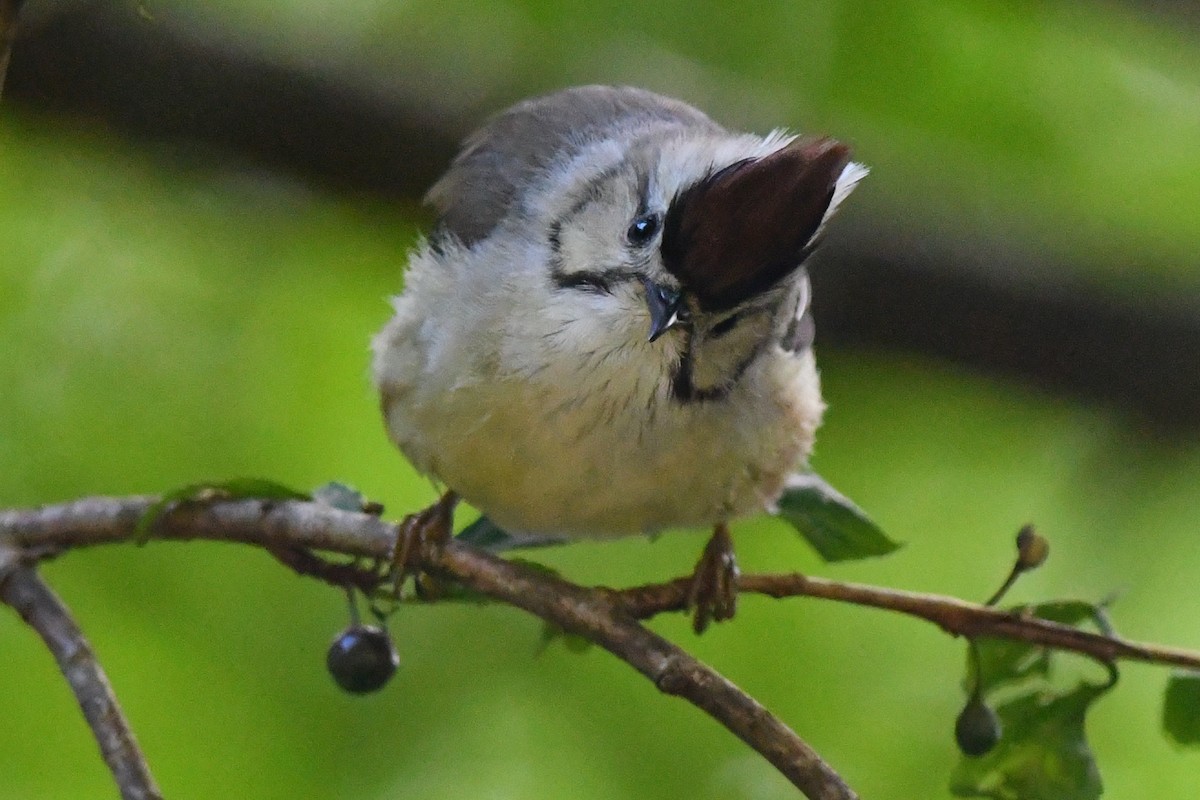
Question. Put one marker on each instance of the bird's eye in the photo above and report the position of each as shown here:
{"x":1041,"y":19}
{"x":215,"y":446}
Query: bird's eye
{"x":643,"y":229}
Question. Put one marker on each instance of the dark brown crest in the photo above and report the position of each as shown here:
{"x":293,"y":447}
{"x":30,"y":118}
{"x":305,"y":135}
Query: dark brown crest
{"x":739,"y":231}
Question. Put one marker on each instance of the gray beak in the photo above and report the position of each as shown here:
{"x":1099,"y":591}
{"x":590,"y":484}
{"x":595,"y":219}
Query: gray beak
{"x":664,"y":305}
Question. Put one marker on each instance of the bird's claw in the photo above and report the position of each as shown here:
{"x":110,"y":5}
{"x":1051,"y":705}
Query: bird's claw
{"x":419,"y":535}
{"x":712,"y":596}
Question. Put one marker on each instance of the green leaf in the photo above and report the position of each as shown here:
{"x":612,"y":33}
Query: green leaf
{"x":1007,"y":661}
{"x":1042,"y":754}
{"x":340,"y":496}
{"x":829,"y":521}
{"x":551,"y":633}
{"x":1181,"y":708}
{"x":235,"y":489}
{"x":487,"y":535}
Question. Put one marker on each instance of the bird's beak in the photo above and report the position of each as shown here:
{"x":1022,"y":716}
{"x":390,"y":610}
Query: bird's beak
{"x":664,"y":305}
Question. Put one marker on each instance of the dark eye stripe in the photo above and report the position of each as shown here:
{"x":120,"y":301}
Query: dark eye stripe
{"x":583,"y":281}
{"x":726,"y":325}
{"x":597,"y":282}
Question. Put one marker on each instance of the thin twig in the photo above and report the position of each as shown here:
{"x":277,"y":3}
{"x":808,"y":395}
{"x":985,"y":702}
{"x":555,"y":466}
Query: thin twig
{"x":956,"y":617}
{"x":42,"y":610}
{"x":308,"y":564}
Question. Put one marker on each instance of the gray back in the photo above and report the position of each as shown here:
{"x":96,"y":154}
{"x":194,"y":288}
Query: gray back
{"x":499,"y":160}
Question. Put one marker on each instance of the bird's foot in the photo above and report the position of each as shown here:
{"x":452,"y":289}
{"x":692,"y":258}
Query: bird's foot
{"x":420,"y":534}
{"x":713,"y":593}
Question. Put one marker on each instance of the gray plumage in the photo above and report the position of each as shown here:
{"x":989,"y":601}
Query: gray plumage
{"x":611,"y":302}
{"x":501,"y":160}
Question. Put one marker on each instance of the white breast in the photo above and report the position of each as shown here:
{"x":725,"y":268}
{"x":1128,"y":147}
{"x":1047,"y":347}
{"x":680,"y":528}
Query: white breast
{"x":586,"y":445}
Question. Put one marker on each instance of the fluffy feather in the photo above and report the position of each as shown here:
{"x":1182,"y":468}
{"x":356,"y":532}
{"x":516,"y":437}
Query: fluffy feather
{"x":535,"y":395}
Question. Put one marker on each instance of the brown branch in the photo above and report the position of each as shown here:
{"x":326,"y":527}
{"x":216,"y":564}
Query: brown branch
{"x":42,"y":610}
{"x":294,"y":526}
{"x":956,"y":617}
{"x":589,"y":613}
{"x":308,"y":564}
{"x":608,"y":617}
{"x":291,"y":524}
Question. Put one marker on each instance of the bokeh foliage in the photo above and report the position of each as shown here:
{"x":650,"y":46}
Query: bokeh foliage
{"x":164,"y":325}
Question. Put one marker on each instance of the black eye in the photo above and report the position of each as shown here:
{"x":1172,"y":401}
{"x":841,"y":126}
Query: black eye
{"x":643,"y":229}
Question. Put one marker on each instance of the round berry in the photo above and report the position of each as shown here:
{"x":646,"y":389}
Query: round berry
{"x":362,"y":659}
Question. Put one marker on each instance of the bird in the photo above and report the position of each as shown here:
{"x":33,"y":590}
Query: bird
{"x":608,"y":330}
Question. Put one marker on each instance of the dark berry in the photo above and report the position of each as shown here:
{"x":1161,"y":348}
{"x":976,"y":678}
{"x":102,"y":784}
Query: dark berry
{"x":362,"y":659}
{"x":977,"y":729}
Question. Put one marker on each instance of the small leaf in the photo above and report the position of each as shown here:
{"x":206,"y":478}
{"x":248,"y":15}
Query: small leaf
{"x":340,"y":496}
{"x":829,"y":521}
{"x":1181,"y":708}
{"x":572,"y":641}
{"x":450,"y":592}
{"x":235,"y":489}
{"x":1008,"y":661}
{"x":484,"y":534}
{"x":1068,"y":612}
{"x":487,"y":535}
{"x":1043,"y":754}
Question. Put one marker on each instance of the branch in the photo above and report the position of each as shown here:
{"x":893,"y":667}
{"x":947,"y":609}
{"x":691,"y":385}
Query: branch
{"x":956,"y":617}
{"x":589,"y":613}
{"x":42,"y":610}
{"x":608,"y":617}
{"x":284,"y":527}
{"x":8,"y":34}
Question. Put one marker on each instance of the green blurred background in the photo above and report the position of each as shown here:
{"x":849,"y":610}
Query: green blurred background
{"x":173,"y":313}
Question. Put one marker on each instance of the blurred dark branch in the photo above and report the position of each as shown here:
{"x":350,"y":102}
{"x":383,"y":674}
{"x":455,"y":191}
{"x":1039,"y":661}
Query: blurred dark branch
{"x":1135,"y":353}
{"x":199,"y":87}
{"x":42,"y":610}
{"x":191,"y":83}
{"x":9,"y":11}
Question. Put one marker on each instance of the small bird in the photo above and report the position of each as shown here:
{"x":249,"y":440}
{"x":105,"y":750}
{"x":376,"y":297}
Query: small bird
{"x":608,"y":331}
